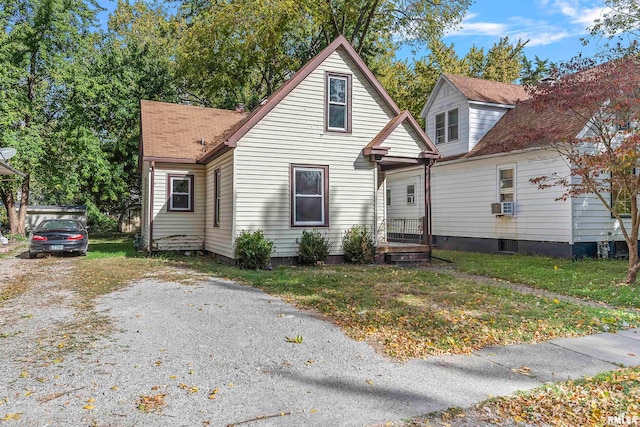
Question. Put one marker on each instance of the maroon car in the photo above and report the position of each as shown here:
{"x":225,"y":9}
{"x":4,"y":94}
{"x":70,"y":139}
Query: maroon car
{"x":58,"y":236}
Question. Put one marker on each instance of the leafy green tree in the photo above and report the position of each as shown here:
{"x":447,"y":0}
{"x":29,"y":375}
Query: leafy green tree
{"x":133,"y":61}
{"x":533,"y":72}
{"x":43,"y":43}
{"x":241,"y":50}
{"x":410,"y":83}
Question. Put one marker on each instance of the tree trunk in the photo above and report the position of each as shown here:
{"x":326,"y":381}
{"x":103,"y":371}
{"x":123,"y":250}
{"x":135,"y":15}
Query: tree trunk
{"x":24,"y":202}
{"x":634,"y":264}
{"x":12,"y":215}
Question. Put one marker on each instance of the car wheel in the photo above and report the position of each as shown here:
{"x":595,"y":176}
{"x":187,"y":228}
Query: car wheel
{"x":83,"y":253}
{"x":32,"y":255}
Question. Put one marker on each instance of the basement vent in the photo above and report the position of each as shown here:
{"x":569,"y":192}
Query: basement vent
{"x":507,"y":245}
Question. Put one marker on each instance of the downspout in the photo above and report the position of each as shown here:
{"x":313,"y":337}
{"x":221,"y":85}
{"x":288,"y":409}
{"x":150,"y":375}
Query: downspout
{"x":152,"y":172}
{"x":375,"y":202}
{"x":427,"y":223}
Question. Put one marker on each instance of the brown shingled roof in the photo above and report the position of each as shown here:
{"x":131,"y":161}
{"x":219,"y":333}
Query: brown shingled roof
{"x":488,"y":91}
{"x":519,"y":128}
{"x":174,"y":131}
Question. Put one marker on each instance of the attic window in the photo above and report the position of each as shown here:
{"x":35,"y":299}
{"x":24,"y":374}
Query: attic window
{"x":447,"y":126}
{"x":180,"y":193}
{"x":338,"y":103}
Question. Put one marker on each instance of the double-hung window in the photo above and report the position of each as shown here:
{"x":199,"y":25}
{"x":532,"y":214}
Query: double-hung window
{"x":309,"y":195}
{"x":338,"y":102}
{"x":180,"y":193}
{"x":506,"y":184}
{"x":620,"y":197}
{"x":411,"y":194}
{"x":447,"y":126}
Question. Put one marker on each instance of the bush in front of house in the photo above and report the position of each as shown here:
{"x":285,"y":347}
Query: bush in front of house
{"x":253,"y":250}
{"x":313,"y":247}
{"x":358,"y":245}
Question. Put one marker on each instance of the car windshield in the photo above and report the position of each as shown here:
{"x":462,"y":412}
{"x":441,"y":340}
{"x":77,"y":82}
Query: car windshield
{"x":59,"y":224}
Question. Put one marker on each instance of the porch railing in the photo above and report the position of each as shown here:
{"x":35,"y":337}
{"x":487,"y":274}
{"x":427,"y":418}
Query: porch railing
{"x":408,"y":230}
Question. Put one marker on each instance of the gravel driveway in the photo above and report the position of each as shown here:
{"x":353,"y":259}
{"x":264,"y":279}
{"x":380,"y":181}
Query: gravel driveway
{"x":208,"y":353}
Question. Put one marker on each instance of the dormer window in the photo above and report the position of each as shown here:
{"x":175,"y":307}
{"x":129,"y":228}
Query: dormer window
{"x":338,"y":103}
{"x":447,"y":126}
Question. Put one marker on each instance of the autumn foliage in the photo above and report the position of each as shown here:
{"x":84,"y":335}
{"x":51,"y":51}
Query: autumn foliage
{"x":603,"y":156}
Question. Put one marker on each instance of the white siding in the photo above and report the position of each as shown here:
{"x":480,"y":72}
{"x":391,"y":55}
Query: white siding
{"x":293,"y":132}
{"x":178,"y":230}
{"x":463,"y":192}
{"x":447,"y":99}
{"x":402,"y":142}
{"x":481,"y":119}
{"x":592,"y":222}
{"x":220,"y":240}
{"x":397,"y":182}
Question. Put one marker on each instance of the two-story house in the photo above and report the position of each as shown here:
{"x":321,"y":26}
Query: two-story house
{"x":482,"y":196}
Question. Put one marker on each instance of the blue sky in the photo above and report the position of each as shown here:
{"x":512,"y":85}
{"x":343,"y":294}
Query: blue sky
{"x":553,"y":27}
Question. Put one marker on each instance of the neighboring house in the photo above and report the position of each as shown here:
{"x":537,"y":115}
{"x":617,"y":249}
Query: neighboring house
{"x":312,"y":156}
{"x":482,"y":196}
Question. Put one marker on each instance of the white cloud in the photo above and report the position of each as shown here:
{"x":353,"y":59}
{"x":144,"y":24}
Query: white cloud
{"x":543,"y":39}
{"x":588,"y":16}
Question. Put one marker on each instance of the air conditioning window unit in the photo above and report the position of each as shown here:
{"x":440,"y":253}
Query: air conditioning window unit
{"x":503,"y":208}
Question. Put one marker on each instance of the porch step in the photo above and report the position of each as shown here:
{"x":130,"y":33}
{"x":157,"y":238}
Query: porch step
{"x":407,"y":259}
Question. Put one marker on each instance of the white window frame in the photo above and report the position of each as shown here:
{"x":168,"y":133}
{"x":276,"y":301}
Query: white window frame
{"x":446,"y":128}
{"x":510,"y":191}
{"x":189,"y":193}
{"x":324,"y":175}
{"x":411,"y":196}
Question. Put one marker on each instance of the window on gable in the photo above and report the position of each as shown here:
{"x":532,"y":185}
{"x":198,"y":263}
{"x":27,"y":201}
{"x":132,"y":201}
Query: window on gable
{"x":309,"y":195}
{"x":180,"y":193}
{"x":338,"y":102}
{"x":506,"y":184}
{"x":447,"y":126}
{"x":411,"y":194}
{"x":452,"y":125}
{"x":216,"y":197}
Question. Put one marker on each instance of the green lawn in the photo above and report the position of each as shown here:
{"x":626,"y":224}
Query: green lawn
{"x":599,"y":280}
